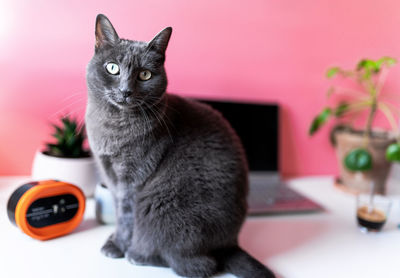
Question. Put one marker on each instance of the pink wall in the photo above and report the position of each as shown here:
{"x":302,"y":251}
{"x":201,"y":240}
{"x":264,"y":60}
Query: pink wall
{"x":260,"y":50}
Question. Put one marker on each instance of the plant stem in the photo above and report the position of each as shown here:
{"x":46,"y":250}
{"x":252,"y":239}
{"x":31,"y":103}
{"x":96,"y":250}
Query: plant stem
{"x":371,"y":198}
{"x":372,"y":112}
{"x":371,"y":116}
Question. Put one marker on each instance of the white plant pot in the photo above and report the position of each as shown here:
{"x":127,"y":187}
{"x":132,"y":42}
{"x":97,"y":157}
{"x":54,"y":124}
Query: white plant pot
{"x":81,"y":172}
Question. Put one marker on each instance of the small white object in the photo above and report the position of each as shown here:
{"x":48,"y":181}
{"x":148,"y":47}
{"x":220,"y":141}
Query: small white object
{"x":81,"y":172}
{"x":105,"y":211}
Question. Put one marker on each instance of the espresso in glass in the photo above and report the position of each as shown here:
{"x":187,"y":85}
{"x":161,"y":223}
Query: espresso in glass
{"x":371,"y":218}
{"x":372,"y":211}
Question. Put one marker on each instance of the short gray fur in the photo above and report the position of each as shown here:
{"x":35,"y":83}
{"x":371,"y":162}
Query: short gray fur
{"x":176,"y":169}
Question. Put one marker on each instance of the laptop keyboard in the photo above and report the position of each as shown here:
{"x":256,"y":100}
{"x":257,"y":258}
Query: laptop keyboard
{"x":272,"y":194}
{"x":278,"y":198}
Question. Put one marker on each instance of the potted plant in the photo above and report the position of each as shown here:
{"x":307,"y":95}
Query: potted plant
{"x":364,"y":154}
{"x":66,"y":159}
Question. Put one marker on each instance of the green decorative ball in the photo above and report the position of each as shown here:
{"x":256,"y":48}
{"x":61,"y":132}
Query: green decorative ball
{"x":358,"y":160}
{"x":393,"y":152}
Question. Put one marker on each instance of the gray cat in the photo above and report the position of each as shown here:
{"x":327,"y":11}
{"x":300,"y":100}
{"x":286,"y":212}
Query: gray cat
{"x":175,"y":167}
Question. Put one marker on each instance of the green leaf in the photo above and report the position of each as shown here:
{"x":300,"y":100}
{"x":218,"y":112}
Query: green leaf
{"x":69,"y":139}
{"x":76,"y":153}
{"x":361,"y":64}
{"x":331,"y":72}
{"x":368,"y":67}
{"x":388,"y":61}
{"x":54,"y":150}
{"x":58,"y":136}
{"x":66,"y":121}
{"x":366,"y":64}
{"x":358,"y":160}
{"x":58,"y":129}
{"x":373,"y":67}
{"x":319,"y":120}
{"x":393,"y":152}
{"x":341,"y":109}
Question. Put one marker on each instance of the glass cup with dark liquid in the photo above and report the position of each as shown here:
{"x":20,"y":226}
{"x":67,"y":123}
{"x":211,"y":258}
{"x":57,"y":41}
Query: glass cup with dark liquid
{"x":372,"y":212}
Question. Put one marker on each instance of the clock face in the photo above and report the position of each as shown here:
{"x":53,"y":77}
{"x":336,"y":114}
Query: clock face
{"x":52,"y":210}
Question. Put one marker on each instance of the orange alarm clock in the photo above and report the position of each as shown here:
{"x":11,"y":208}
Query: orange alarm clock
{"x":46,"y":209}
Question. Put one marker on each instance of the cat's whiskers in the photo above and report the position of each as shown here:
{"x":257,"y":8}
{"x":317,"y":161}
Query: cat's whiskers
{"x":66,"y":107}
{"x":164,"y":115}
{"x":109,"y":96}
{"x":147,"y":127}
{"x":72,"y":96}
{"x":159,"y":118}
{"x":166,"y":103}
{"x":70,"y":114}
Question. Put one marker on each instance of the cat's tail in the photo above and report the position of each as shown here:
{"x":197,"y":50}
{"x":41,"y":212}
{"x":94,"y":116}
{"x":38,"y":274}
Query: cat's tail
{"x":238,"y":262}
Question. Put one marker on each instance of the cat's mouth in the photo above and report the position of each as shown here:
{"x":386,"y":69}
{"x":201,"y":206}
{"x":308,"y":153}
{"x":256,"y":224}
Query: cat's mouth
{"x":132,"y":101}
{"x":125,"y":102}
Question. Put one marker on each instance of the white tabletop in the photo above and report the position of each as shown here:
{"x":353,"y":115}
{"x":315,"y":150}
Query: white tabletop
{"x":310,"y":245}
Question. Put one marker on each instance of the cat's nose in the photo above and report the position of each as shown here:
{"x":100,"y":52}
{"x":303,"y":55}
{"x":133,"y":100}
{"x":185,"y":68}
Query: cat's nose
{"x":126,"y":93}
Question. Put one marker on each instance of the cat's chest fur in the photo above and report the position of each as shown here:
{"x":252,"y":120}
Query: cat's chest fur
{"x":108,"y":133}
{"x":126,"y":152}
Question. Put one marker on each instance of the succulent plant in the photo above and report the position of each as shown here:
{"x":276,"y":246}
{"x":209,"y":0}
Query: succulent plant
{"x":70,"y":137}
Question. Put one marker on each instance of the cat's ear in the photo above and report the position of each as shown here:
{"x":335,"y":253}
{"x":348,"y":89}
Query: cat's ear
{"x":105,"y":32}
{"x":160,"y":42}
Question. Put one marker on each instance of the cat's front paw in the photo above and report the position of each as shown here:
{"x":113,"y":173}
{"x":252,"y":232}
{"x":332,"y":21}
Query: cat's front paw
{"x":137,"y":259}
{"x":109,"y":249}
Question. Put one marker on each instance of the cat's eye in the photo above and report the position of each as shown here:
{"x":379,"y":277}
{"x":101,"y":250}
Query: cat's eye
{"x":145,"y":75}
{"x":112,"y":68}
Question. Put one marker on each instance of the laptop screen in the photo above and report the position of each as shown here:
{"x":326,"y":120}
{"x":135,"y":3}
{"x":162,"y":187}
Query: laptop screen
{"x":257,"y":126}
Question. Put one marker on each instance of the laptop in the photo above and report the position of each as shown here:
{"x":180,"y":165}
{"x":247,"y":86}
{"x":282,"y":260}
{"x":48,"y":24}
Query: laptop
{"x":258,"y":128}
